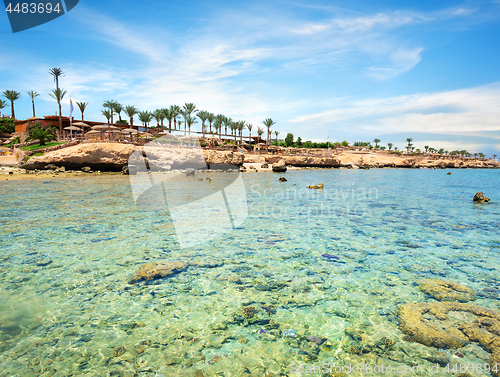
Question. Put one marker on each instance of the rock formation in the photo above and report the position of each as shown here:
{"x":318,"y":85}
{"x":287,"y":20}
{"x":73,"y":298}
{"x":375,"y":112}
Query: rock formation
{"x":279,"y":167}
{"x":479,"y":198}
{"x":317,"y":187}
{"x":155,"y":270}
{"x":439,"y":330}
{"x":446,"y":290}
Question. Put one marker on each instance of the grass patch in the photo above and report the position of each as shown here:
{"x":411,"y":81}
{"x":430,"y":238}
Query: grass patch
{"x":37,"y":146}
{"x":35,"y":154}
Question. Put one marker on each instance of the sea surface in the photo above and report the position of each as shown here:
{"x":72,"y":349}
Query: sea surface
{"x":332,"y":264}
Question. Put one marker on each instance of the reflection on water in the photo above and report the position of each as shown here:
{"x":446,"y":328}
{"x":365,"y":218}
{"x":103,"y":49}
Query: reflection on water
{"x":310,"y":277}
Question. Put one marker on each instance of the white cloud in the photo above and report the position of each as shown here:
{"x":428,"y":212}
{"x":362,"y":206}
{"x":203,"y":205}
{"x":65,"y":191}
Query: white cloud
{"x":459,"y":112}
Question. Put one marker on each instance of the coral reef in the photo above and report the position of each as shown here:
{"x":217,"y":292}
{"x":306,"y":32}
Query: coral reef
{"x":475,"y":324}
{"x":446,"y":290}
{"x":157,"y":270}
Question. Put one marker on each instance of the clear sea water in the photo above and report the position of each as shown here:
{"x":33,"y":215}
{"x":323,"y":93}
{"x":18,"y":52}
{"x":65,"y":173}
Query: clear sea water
{"x":68,"y":247}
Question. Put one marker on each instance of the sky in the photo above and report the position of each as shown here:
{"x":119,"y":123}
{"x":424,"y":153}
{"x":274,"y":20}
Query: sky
{"x":337,"y":70}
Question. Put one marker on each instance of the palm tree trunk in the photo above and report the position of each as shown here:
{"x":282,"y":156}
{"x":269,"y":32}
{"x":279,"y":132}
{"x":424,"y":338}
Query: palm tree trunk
{"x":60,"y":119}
{"x":169,"y":126}
{"x":12,"y":110}
{"x":203,"y":129}
{"x":33,"y":102}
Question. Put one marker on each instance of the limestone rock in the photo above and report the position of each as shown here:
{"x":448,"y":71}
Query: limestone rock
{"x":279,"y":167}
{"x":316,"y":187}
{"x":155,"y":270}
{"x":479,"y":198}
{"x":86,"y":169}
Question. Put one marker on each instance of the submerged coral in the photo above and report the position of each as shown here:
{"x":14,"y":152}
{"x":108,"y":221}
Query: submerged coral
{"x":446,"y":290}
{"x":482,"y":326}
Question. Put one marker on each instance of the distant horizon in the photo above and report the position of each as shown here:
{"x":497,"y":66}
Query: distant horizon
{"x":348,"y":70}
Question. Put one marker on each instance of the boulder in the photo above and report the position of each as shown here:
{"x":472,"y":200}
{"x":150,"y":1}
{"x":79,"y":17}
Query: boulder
{"x":264,"y":166}
{"x":190,"y":172}
{"x":279,"y":167}
{"x":86,"y":169}
{"x":282,"y":179}
{"x":316,"y":187}
{"x":156,"y":270}
{"x":50,"y":167}
{"x":126,"y":170}
{"x":479,"y":198}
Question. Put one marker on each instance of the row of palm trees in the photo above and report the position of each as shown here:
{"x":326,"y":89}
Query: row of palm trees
{"x":189,"y":113}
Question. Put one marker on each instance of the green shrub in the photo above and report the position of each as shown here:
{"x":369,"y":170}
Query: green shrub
{"x":7,"y":126}
{"x":289,"y":139}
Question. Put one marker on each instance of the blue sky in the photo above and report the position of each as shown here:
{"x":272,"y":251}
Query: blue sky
{"x":353,"y":70}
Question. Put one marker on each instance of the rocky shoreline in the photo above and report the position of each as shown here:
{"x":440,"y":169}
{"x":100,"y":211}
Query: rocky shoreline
{"x":114,"y":157}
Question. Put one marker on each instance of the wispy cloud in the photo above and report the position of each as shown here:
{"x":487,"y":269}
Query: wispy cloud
{"x":459,"y":112}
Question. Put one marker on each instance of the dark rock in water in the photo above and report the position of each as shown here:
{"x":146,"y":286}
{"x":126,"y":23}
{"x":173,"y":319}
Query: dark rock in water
{"x":282,"y":179}
{"x":448,"y":173}
{"x":190,"y":172}
{"x":50,"y":167}
{"x":125,"y":170}
{"x":86,"y":169}
{"x":155,"y":270}
{"x":279,"y":169}
{"x":264,"y":166}
{"x":208,"y":179}
{"x":329,"y":256}
{"x":316,"y":340}
{"x":479,"y":198}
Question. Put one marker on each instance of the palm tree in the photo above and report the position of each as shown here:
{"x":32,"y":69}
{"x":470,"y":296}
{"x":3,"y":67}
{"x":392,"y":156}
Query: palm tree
{"x":168,"y":115}
{"x":494,"y":156}
{"x":130,"y":111}
{"x":41,"y":135}
{"x":186,"y":112}
{"x":32,"y":95}
{"x":110,"y":105}
{"x":249,"y":127}
{"x":145,"y":117}
{"x":203,"y":115}
{"x":3,"y":104}
{"x":56,"y":72}
{"x":210,"y":118}
{"x":376,"y":141}
{"x":189,"y":121}
{"x":409,"y":140}
{"x":276,"y":133}
{"x":241,"y":127}
{"x":12,"y":96}
{"x":227,"y":123}
{"x":82,"y":106}
{"x":58,"y":94}
{"x":260,"y":131}
{"x":233,"y":126}
{"x":268,"y":123}
{"x":108,"y":114}
{"x":389,"y":145}
{"x":118,"y":108}
{"x":176,"y":110}
{"x":159,"y":115}
{"x":426,"y":148}
{"x":219,"y":120}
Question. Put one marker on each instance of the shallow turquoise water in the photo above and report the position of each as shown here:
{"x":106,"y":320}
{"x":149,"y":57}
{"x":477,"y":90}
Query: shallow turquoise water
{"x":69,"y":246}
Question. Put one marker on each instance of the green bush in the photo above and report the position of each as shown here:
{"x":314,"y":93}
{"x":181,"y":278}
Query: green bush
{"x":289,"y":139}
{"x":7,"y":126}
